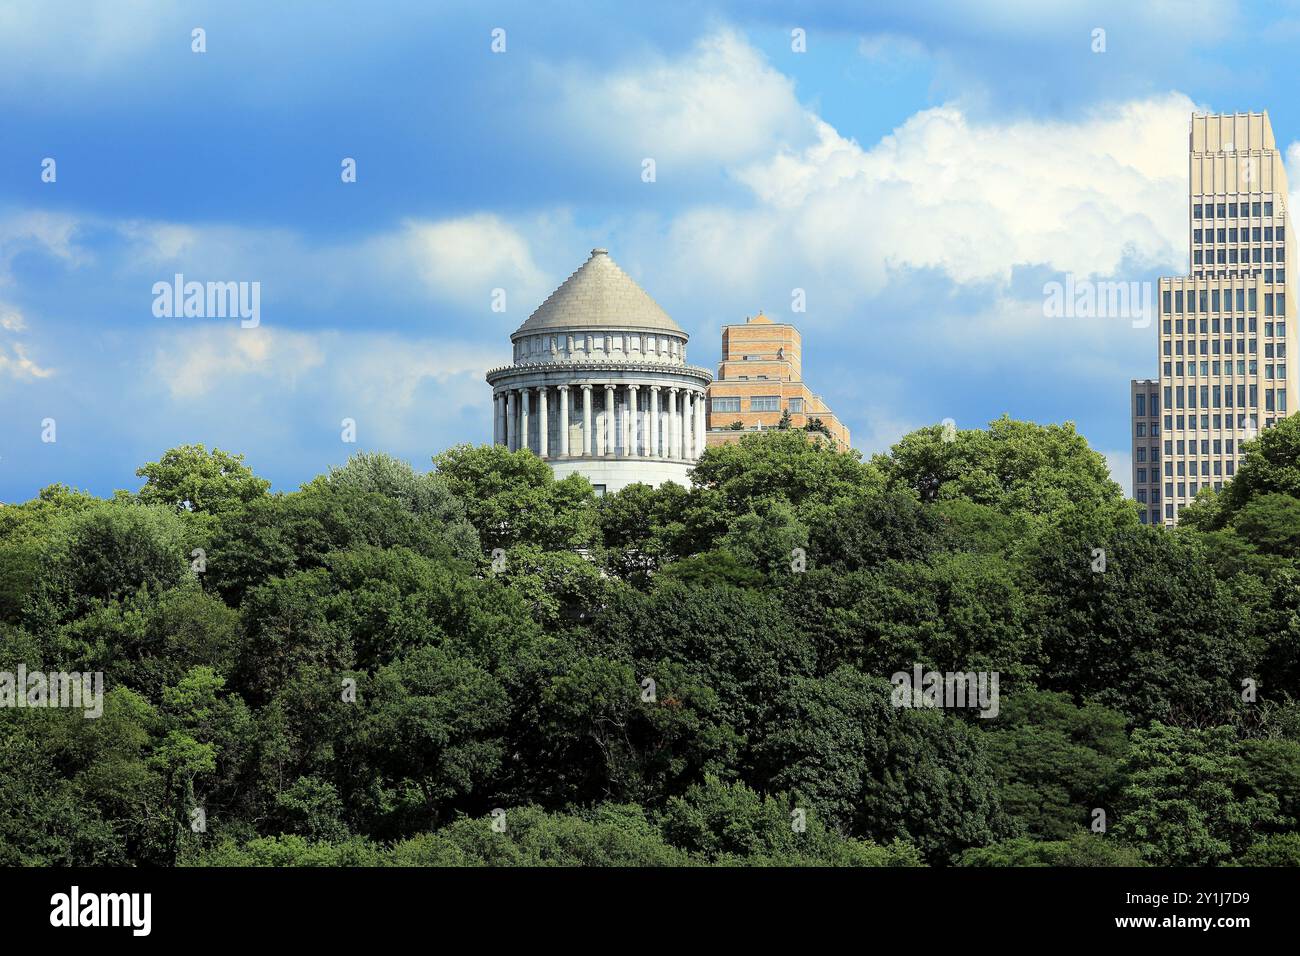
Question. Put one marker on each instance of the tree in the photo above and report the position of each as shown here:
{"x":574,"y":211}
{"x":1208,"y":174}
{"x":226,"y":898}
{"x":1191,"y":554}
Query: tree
{"x":663,"y":676}
{"x":732,"y":825}
{"x":197,"y":720}
{"x":783,"y":464}
{"x":558,"y":586}
{"x":1014,"y":466}
{"x":1275,"y":849}
{"x":867,"y":531}
{"x":1055,"y":762}
{"x":513,"y":497}
{"x":279,"y":534}
{"x":1273,"y":768}
{"x":1257,"y":536}
{"x":768,"y":537}
{"x":434,"y":727}
{"x":148,"y":641}
{"x":882,"y":772}
{"x":192,"y":479}
{"x":390,"y":601}
{"x":817,"y":426}
{"x":737,"y":641}
{"x":49,"y":815}
{"x":312,"y":808}
{"x":427,"y":496}
{"x":1189,"y":799}
{"x":105,"y":553}
{"x":1149,"y":631}
{"x":1270,"y":522}
{"x":607,"y":835}
{"x":1271,"y":465}
{"x":960,"y":612}
{"x":611,"y":735}
{"x":1080,"y":848}
{"x":286,"y":630}
{"x":1272,"y":606}
{"x":27,"y":531}
{"x":713,"y":569}
{"x":641,"y":527}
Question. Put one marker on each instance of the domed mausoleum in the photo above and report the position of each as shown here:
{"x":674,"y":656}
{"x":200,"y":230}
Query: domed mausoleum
{"x":600,"y":386}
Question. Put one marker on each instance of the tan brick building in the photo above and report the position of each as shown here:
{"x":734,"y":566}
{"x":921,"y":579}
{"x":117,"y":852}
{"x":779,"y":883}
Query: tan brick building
{"x":760,"y":378}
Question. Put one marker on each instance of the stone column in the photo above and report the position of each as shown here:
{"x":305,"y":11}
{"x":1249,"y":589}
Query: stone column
{"x":671,"y":426}
{"x":609,"y":420}
{"x":564,"y":421}
{"x":633,"y":413}
{"x":587,"y":450}
{"x":543,"y":424}
{"x":689,"y":414}
{"x":700,"y":441}
{"x":686,"y":423}
{"x":695,"y":430}
{"x":687,"y":397}
{"x":524,"y":395}
{"x":654,"y":421}
{"x":512,"y":429}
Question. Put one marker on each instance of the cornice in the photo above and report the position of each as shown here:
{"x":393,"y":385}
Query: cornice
{"x":563,"y":369}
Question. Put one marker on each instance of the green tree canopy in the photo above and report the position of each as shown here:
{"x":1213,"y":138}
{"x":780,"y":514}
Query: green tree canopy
{"x":512,"y":497}
{"x":1015,"y":466}
{"x":191,"y":478}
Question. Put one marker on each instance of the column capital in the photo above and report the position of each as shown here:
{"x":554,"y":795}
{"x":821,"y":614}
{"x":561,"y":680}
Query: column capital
{"x":655,"y":388}
{"x":674,"y":389}
{"x":563,"y":388}
{"x":585,"y":388}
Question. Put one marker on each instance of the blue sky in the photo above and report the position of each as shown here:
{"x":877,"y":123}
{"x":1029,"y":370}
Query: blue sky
{"x":920,"y":171}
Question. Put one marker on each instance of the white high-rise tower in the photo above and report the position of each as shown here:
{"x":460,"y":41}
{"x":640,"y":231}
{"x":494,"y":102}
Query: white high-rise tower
{"x":1226,"y":331}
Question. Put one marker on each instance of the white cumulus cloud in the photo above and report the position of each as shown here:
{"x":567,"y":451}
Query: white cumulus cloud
{"x":976,"y":199}
{"x":720,"y":103}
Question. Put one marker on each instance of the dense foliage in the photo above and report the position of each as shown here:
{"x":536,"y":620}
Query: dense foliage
{"x":481,"y":665}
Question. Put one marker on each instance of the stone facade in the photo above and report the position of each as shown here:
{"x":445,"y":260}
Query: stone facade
{"x":600,"y":385}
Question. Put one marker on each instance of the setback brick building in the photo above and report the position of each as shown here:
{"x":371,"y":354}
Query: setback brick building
{"x":760,"y":378}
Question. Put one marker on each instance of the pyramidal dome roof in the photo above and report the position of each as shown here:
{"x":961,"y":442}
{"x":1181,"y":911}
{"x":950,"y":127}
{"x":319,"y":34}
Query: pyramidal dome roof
{"x":599,"y":295}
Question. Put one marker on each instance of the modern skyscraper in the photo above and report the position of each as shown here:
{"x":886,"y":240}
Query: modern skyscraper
{"x":760,"y":378}
{"x":600,"y":386}
{"x":1224,"y":331}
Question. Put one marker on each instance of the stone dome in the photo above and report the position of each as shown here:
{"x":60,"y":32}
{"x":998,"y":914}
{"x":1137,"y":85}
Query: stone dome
{"x":599,"y":295}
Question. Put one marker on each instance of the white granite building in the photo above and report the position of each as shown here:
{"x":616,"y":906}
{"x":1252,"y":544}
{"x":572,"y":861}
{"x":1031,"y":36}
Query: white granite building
{"x":600,"y":384}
